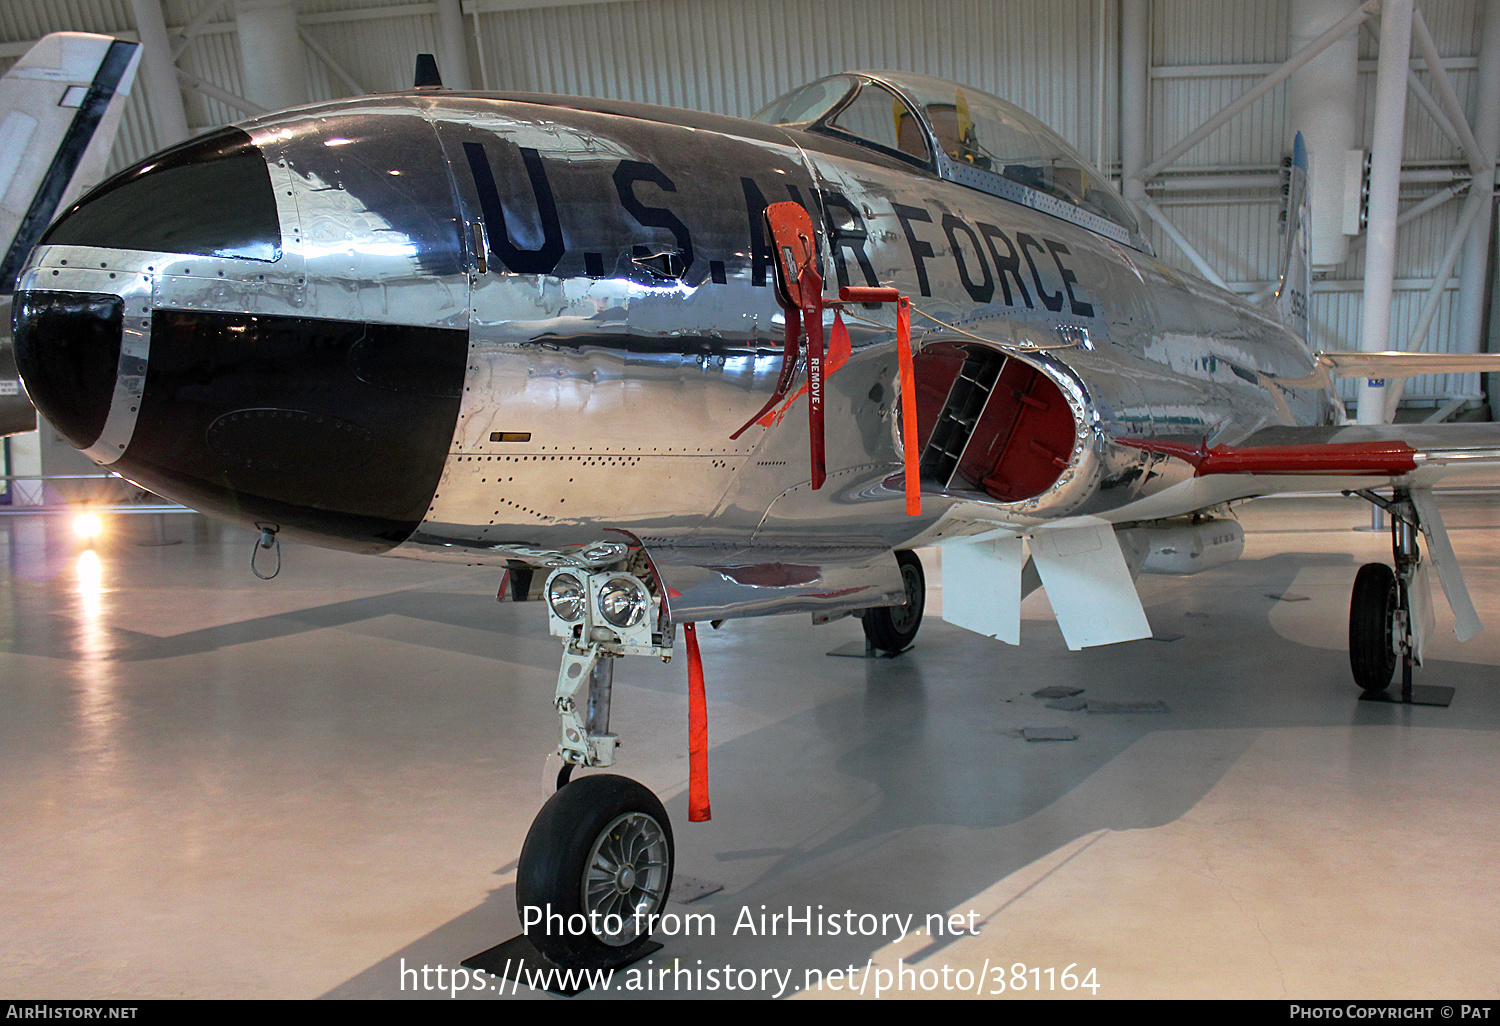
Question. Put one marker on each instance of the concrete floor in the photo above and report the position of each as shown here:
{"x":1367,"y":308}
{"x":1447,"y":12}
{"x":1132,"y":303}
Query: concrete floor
{"x":221,"y":787}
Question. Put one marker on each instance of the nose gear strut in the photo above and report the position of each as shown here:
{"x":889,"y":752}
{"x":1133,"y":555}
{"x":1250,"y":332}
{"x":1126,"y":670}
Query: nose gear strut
{"x":597,"y":864}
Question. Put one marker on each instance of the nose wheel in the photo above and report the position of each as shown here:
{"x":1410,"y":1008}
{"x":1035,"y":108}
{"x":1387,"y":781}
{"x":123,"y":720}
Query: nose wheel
{"x":596,"y":867}
{"x":594,"y":872}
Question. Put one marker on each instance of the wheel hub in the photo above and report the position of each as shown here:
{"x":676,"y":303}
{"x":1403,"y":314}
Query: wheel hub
{"x":626,"y":876}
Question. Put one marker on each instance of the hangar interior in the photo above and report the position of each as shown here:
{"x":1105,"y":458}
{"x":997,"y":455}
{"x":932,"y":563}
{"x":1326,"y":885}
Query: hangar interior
{"x":224,"y":787}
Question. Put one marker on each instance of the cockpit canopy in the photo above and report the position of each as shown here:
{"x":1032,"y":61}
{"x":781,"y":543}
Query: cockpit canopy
{"x":963,"y":135}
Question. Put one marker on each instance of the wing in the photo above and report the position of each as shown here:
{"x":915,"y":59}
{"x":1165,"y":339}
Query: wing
{"x":1392,"y":364}
{"x":1406,"y":365}
{"x":1089,"y":576}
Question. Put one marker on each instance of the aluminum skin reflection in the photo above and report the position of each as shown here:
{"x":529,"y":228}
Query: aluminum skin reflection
{"x":608,"y":271}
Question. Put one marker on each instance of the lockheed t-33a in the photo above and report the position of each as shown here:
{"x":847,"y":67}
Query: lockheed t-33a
{"x":693,"y":368}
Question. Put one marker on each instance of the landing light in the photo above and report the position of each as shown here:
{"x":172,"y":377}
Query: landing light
{"x":622,"y":602}
{"x":565,"y":596}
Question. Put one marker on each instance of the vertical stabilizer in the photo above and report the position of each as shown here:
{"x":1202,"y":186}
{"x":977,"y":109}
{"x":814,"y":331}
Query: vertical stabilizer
{"x":60,"y":106}
{"x":1296,"y":239}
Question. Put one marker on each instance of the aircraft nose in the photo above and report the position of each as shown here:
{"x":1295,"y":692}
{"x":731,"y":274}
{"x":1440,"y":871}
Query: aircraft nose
{"x":251,"y":384}
{"x":67,"y":348}
{"x":209,"y":197}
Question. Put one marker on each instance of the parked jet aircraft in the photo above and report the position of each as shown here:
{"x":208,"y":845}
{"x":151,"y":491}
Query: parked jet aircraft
{"x":60,"y":107}
{"x":588,"y":337}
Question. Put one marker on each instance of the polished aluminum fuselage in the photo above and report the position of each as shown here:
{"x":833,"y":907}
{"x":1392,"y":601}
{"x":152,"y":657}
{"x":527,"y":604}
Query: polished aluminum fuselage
{"x":608,"y":265}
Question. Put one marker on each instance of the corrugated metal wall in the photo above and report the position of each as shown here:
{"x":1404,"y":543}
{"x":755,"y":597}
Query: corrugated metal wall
{"x":733,"y":56}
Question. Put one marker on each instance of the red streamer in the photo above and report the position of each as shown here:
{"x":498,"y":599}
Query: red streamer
{"x":908,"y":408}
{"x":698,"y":809}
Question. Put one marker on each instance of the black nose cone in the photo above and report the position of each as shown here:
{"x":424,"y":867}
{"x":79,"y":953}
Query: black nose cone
{"x":68,"y":353}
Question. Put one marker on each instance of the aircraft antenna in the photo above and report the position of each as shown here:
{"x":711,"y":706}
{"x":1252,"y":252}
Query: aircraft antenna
{"x":426,"y":75}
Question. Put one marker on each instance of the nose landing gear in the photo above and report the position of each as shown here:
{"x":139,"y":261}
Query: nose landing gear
{"x":596,"y":867}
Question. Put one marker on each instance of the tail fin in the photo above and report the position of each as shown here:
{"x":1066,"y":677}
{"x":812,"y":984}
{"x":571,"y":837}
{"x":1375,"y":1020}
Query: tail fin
{"x":1296,"y":238}
{"x":60,"y":106}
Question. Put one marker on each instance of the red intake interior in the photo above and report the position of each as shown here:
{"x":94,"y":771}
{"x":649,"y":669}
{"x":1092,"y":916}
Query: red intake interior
{"x":1015,"y":446}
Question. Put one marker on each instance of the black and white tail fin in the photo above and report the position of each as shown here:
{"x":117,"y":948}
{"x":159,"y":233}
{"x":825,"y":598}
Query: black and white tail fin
{"x":1296,"y":239}
{"x":60,"y":107}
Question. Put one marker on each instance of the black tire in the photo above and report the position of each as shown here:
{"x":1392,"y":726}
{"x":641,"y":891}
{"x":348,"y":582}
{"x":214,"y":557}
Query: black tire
{"x":579,"y":824}
{"x":893,"y":628}
{"x":1372,"y":616}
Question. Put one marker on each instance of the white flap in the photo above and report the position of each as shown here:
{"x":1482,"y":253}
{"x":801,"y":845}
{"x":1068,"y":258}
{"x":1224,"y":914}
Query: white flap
{"x":1423,"y":616}
{"x":1089,"y":585}
{"x":982,"y":586}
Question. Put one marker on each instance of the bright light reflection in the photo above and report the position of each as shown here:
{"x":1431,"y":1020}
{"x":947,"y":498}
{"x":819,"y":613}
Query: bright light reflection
{"x":98,"y":709}
{"x":88,"y":526}
{"x":90,"y":586}
{"x":311,"y":250}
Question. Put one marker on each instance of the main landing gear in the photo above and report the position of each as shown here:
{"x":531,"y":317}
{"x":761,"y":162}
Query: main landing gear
{"x":1390,"y":612}
{"x":596,"y":867}
{"x":892,"y":629}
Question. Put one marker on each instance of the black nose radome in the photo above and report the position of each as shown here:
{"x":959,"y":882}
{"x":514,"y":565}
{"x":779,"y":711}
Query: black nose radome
{"x":68,"y":353}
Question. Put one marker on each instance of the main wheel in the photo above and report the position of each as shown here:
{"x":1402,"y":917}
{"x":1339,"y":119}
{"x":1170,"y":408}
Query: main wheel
{"x":596,"y":866}
{"x":1372,"y":622}
{"x":893,"y":628}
